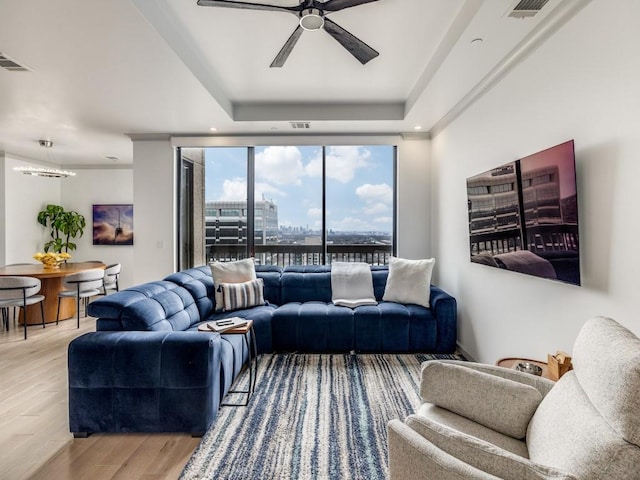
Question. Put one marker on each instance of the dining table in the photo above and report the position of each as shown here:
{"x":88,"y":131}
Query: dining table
{"x":51,"y":284}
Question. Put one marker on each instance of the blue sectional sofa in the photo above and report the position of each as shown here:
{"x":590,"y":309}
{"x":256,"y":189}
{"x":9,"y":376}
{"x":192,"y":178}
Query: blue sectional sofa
{"x":148,"y":369}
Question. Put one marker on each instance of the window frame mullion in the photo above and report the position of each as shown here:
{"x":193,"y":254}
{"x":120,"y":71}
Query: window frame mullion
{"x":325,"y":253}
{"x":251,"y":204}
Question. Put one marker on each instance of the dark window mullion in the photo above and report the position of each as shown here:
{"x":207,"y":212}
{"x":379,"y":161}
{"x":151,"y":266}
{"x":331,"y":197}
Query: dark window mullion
{"x":251,"y":191}
{"x":394,"y":228}
{"x":179,"y":200}
{"x":324,"y":206}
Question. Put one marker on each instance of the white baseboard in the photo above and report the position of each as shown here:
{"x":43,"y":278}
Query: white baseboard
{"x":465,"y":354}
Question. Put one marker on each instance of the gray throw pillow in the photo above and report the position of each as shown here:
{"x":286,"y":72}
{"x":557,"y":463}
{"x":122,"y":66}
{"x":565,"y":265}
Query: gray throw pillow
{"x":239,"y":271}
{"x":236,"y":296}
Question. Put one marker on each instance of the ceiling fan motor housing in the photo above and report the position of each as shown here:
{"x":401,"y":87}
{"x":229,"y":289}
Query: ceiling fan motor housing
{"x":311,"y":16}
{"x":312,"y":19}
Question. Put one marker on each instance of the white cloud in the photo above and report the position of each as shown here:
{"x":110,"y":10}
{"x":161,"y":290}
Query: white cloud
{"x":381,"y":193}
{"x":280,"y":165}
{"x":234,"y":190}
{"x":384,"y":220}
{"x":343,"y":161}
{"x":377,"y":198}
{"x":314,"y":212}
{"x":375,"y":208}
{"x":264,"y":190}
{"x":314,"y":167}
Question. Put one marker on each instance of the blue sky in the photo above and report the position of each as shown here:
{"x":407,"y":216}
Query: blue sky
{"x":359,"y":183}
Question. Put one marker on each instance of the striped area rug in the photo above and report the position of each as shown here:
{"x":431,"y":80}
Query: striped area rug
{"x":312,"y":417}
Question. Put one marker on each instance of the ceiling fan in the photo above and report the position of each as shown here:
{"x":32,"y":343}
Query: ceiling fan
{"x":312,"y":16}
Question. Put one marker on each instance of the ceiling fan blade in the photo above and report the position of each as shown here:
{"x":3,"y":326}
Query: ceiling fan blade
{"x":335,"y":5}
{"x":354,"y":45}
{"x":284,"y":52}
{"x":245,"y":5}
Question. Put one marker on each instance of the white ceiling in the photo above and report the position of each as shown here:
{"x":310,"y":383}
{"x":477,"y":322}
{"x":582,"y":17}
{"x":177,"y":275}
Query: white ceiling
{"x":101,"y":70}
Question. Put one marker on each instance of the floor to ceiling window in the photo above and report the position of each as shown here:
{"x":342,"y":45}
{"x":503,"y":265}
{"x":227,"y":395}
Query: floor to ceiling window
{"x":288,"y":198}
{"x":300,"y":205}
{"x":360,"y":203}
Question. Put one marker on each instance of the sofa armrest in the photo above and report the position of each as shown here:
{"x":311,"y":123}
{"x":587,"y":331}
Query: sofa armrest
{"x":500,"y":404}
{"x":480,"y":454}
{"x":134,"y":381}
{"x":445,"y":311}
{"x":411,"y":456}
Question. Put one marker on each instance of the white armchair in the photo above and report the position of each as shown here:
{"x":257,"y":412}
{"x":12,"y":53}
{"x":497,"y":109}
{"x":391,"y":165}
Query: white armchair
{"x":485,"y":422}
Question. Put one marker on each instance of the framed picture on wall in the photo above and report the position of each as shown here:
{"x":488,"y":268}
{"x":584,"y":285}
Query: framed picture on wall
{"x":113,"y":224}
{"x":523,"y":216}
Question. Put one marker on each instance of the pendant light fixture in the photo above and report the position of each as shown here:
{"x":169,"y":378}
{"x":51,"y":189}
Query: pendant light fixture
{"x":42,"y":171}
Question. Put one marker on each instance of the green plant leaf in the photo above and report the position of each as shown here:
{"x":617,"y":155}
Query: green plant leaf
{"x":70,"y":224}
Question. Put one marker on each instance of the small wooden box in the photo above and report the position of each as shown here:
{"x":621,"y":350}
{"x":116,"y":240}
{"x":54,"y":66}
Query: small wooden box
{"x":557,"y":369}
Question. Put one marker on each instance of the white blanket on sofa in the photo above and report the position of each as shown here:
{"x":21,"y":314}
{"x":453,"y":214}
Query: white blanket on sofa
{"x":352,"y":284}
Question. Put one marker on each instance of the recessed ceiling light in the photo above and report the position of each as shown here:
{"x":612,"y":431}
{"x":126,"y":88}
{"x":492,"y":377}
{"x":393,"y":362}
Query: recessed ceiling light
{"x":477,"y":41}
{"x":418,"y":127}
{"x":213,"y":129}
{"x":111,"y":157}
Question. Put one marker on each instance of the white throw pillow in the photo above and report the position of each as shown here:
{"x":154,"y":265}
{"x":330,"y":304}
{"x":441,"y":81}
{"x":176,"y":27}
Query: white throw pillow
{"x":231,"y":272}
{"x":409,"y":281}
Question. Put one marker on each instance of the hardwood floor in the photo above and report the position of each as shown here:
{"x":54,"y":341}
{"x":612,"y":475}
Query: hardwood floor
{"x":35,"y":442}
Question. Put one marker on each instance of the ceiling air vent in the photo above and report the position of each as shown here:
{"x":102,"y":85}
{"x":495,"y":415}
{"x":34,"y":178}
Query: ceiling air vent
{"x":298,"y":125}
{"x":527,"y":8}
{"x":8,"y":64}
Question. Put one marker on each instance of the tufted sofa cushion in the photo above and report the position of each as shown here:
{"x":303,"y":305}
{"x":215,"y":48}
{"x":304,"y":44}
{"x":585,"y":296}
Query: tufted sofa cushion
{"x":305,"y":283}
{"x":323,"y":327}
{"x":198,"y":282}
{"x":312,"y":326}
{"x":159,"y":305}
{"x":299,"y":314}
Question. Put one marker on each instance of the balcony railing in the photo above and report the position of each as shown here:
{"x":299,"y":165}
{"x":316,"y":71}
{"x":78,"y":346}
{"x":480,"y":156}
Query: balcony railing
{"x":283,"y":255}
{"x":540,"y":238}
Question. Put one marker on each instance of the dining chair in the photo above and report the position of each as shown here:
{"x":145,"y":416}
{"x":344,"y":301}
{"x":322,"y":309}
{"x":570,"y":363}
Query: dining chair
{"x":111,"y":277}
{"x":20,"y":292}
{"x":81,"y":285}
{"x":6,"y":309}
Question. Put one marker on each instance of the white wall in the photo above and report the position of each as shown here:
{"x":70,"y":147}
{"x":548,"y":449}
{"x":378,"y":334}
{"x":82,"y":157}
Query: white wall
{"x":582,"y":84}
{"x":25,"y":196}
{"x":154,"y":208}
{"x":3,"y":226}
{"x":100,"y":186}
{"x":414,"y":200}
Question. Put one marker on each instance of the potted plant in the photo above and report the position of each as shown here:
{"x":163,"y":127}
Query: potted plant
{"x":64,"y":226}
